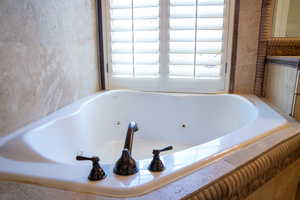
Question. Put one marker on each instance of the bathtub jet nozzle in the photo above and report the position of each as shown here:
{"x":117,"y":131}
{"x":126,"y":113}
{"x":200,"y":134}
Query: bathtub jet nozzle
{"x":126,"y":165}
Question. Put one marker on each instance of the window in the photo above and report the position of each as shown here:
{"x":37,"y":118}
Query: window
{"x":167,"y":45}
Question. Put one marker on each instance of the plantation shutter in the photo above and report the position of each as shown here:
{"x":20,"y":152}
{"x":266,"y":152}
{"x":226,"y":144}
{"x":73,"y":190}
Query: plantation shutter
{"x":196,"y":37}
{"x":167,"y":45}
{"x":134,"y":37}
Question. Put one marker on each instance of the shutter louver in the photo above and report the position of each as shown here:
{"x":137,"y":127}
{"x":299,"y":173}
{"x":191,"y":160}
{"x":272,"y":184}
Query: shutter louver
{"x":134,"y":26}
{"x":196,"y":38}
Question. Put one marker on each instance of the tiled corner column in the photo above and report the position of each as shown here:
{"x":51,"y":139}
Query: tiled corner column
{"x":247,"y":46}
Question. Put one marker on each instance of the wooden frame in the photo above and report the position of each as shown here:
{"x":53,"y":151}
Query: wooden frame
{"x":271,"y":46}
{"x":101,"y":60}
{"x":147,"y":84}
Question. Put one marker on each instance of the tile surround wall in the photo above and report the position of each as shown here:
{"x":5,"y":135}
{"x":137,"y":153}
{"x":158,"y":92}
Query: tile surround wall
{"x":48,"y":57}
{"x":247,"y":46}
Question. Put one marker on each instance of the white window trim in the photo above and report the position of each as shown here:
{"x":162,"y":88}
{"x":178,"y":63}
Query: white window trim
{"x":184,"y":83}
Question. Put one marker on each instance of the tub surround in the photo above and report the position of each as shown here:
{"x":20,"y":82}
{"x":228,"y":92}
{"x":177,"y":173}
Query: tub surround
{"x":249,"y":177}
{"x":23,"y":148}
{"x":276,"y":190}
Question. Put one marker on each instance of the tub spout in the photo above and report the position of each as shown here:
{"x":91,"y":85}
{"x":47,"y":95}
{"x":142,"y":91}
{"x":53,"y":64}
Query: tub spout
{"x":132,"y":127}
{"x":126,"y":165}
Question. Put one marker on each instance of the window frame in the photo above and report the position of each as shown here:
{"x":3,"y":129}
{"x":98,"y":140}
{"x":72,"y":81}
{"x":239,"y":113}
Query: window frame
{"x":179,"y":85}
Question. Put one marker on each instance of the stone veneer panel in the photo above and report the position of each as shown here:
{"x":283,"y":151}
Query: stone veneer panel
{"x":248,"y":33}
{"x":48,"y":57}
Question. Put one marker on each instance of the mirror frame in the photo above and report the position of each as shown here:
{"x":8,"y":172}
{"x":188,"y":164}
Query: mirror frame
{"x":271,"y":46}
{"x":276,"y":46}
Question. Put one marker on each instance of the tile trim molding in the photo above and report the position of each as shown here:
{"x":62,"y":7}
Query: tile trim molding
{"x":265,"y":29}
{"x":249,"y":177}
{"x":284,"y":47}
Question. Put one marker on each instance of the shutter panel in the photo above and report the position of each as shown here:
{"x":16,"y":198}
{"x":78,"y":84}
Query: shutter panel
{"x":196,"y":38}
{"x":134,"y":26}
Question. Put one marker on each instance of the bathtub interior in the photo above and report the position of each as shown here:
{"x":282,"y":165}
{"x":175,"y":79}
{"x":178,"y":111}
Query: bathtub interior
{"x":99,"y":127}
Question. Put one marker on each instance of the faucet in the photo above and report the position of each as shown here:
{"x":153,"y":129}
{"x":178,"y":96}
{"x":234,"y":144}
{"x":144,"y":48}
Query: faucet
{"x":126,"y":165}
{"x":132,"y":127}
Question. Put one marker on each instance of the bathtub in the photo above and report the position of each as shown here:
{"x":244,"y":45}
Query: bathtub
{"x":201,"y":129}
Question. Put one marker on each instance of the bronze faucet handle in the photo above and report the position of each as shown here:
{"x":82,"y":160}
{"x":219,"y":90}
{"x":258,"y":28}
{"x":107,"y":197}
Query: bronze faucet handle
{"x":93,"y":159}
{"x":96,"y":173}
{"x":157,"y":151}
{"x":156,"y":164}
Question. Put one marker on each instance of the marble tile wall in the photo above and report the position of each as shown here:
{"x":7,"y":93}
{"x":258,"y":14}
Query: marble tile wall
{"x":48,"y":57}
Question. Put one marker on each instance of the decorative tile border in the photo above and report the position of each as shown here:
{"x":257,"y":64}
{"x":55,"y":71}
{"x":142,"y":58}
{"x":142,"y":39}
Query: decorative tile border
{"x":249,"y":177}
{"x":265,"y":32}
{"x":284,"y":47}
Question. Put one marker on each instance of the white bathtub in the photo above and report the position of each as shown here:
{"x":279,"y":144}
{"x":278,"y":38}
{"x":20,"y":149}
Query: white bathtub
{"x":201,"y":128}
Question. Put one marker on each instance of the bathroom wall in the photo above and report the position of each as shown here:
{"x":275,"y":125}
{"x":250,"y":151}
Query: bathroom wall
{"x":48,"y":57}
{"x":247,"y":46}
